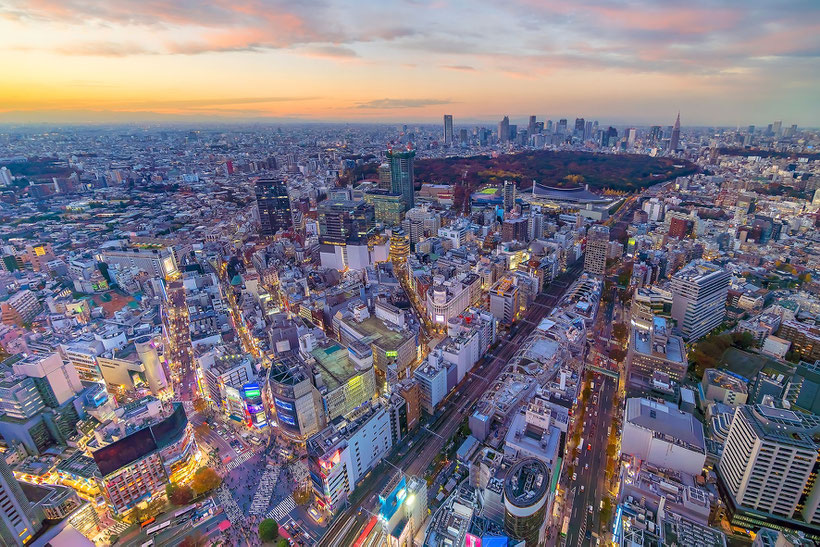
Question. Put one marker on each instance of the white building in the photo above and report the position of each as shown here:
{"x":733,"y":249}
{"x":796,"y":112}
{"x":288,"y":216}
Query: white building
{"x":663,"y":435}
{"x":767,"y":461}
{"x":699,"y":298}
{"x":432,"y":378}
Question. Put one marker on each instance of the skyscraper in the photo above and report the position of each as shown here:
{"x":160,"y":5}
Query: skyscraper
{"x":531,"y":127}
{"x":19,"y":520}
{"x":504,"y":130}
{"x":777,"y":128}
{"x":448,"y":130}
{"x":273,"y":204}
{"x":579,"y":127}
{"x":595,"y":253}
{"x":509,"y":195}
{"x":768,"y":466}
{"x":402,"y":175}
{"x":674,"y":140}
{"x":699,"y":298}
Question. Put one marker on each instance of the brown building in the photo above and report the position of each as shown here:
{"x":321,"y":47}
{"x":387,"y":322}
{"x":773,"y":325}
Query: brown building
{"x":515,"y":229}
{"x":411,"y":393}
{"x":679,"y":228}
{"x":805,"y":339}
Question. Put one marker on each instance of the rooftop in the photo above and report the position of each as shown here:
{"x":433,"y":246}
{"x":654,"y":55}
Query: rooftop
{"x":666,"y":422}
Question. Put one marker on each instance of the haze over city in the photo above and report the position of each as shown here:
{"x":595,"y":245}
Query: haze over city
{"x":723,"y":63}
{"x":409,"y":273}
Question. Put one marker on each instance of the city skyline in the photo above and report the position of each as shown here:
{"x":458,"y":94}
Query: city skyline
{"x":719,"y":63}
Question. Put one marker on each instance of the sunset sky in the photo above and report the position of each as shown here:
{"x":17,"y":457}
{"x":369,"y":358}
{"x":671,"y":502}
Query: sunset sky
{"x":728,"y":63}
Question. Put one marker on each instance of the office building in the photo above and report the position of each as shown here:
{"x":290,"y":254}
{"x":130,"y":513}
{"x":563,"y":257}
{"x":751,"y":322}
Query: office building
{"x":509,"y":195}
{"x":448,"y":298}
{"x":655,"y":350}
{"x":515,"y":229}
{"x":20,"y":308}
{"x":674,"y":139}
{"x":344,"y":376}
{"x":402,"y":175}
{"x":156,"y":261}
{"x":717,"y":385}
{"x":345,"y":221}
{"x":431,"y":376}
{"x":221,"y":374}
{"x":399,"y":246}
{"x":527,"y":498}
{"x":273,"y":206}
{"x":660,"y":434}
{"x":595,"y":250}
{"x":448,"y":130}
{"x":385,"y":179}
{"x":504,"y":130}
{"x":19,"y":519}
{"x":388,"y":207}
{"x":139,"y":466}
{"x":504,"y":300}
{"x":767,"y":471}
{"x":340,"y":455}
{"x":294,"y":400}
{"x":699,"y":298}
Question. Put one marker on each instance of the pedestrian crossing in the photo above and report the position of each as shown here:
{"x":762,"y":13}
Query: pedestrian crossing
{"x":282,"y":510}
{"x":261,"y":499}
{"x":239,"y":460}
{"x":117,"y":527}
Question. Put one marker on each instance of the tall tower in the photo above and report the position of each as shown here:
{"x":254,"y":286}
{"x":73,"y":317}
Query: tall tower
{"x":674,"y":140}
{"x":504,"y":130}
{"x":273,"y":205}
{"x":531,"y":127}
{"x":402,"y":175}
{"x":448,"y":130}
{"x":509,"y":195}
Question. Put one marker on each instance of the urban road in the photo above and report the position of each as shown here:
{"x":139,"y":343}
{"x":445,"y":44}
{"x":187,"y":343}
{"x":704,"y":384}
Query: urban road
{"x":587,"y":491}
{"x":430,"y":440}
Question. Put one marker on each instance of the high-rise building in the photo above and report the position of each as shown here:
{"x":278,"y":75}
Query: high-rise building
{"x":579,"y":127}
{"x":674,"y":140}
{"x":19,"y":518}
{"x":385,"y":179}
{"x":399,"y":246}
{"x":448,"y":130}
{"x":509,"y":191}
{"x":767,"y":471}
{"x":631,"y":135}
{"x":655,"y":133}
{"x":595,"y":252}
{"x":531,"y":127}
{"x":504,"y":130}
{"x":402,"y":175}
{"x":273,"y":205}
{"x":341,"y":221}
{"x":504,"y":300}
{"x":562,"y":127}
{"x":526,"y":500}
{"x":149,"y":357}
{"x":5,"y":176}
{"x":699,"y":298}
{"x":388,"y":206}
{"x":777,"y":128}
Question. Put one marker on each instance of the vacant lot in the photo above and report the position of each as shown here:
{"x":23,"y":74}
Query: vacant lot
{"x":744,"y":363}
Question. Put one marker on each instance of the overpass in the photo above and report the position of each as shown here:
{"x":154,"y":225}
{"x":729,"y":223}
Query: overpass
{"x":604,"y":371}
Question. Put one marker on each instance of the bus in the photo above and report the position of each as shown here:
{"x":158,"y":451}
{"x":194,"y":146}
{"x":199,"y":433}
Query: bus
{"x":565,"y":526}
{"x":580,"y":444}
{"x":148,"y":522}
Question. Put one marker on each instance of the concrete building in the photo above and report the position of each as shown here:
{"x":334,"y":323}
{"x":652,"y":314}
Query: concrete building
{"x":293,"y":399}
{"x":158,"y":261}
{"x":699,"y":298}
{"x":527,"y":498}
{"x":718,"y":386}
{"x":148,"y":356}
{"x":272,"y":206}
{"x":344,"y":376}
{"x":20,"y":308}
{"x":656,"y":350}
{"x":767,"y":469}
{"x":19,"y":519}
{"x":432,"y":379}
{"x":663,"y":435}
{"x":504,"y":301}
{"x":340,"y":455}
{"x":139,"y":466}
{"x":447,"y":299}
{"x":596,"y":250}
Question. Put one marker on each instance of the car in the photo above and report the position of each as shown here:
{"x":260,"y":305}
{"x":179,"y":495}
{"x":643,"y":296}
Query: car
{"x":586,"y":466}
{"x":582,"y":488}
{"x":575,"y":476}
{"x":589,"y":447}
{"x":589,"y":509}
